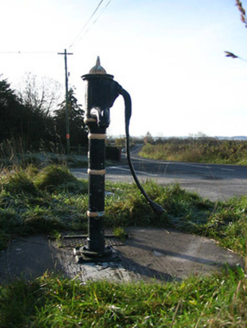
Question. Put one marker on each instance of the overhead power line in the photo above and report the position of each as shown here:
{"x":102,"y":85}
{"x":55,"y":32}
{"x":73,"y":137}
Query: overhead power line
{"x":27,"y":52}
{"x":85,"y":25}
{"x":95,"y":19}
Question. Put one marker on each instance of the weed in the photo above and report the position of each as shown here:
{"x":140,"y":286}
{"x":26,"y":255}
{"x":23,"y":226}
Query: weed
{"x":120,"y":233}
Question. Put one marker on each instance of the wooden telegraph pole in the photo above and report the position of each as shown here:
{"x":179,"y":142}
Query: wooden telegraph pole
{"x":65,"y":53}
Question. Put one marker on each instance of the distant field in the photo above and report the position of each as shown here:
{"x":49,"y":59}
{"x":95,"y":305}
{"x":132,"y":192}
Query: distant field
{"x":204,"y":150}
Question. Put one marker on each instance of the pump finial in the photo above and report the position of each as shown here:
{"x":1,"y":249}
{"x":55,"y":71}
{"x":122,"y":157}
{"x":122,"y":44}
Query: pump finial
{"x":97,"y":69}
{"x":98,"y":61}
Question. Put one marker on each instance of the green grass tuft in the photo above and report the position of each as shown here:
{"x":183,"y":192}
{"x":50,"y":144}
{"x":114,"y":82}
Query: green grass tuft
{"x":17,"y":183}
{"x":53,"y":176}
{"x":52,"y":301}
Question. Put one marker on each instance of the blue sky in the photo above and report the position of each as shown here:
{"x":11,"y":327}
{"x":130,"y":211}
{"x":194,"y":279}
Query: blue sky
{"x":169,"y":55}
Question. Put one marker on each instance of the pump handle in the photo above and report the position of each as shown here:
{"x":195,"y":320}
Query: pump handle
{"x":157,"y":209}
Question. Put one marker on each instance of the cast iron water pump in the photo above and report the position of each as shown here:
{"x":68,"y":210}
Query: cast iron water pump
{"x":101,"y":92}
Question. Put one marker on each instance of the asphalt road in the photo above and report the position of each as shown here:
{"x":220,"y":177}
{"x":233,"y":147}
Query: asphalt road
{"x":216,"y":182}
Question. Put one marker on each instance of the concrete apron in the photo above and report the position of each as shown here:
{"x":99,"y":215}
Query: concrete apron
{"x":159,"y":255}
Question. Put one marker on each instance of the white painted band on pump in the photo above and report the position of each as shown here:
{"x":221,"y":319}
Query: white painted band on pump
{"x":99,"y":136}
{"x":95,"y":214}
{"x":89,"y":119}
{"x":96,"y":172}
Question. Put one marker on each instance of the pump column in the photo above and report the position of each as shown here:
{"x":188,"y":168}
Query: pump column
{"x":99,"y":97}
{"x":96,"y":189}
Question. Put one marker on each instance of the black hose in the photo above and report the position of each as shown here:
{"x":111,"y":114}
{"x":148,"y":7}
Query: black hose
{"x":157,"y":209}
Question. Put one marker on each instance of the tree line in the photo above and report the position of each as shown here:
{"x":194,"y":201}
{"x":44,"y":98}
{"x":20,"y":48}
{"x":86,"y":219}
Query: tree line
{"x":26,"y":119}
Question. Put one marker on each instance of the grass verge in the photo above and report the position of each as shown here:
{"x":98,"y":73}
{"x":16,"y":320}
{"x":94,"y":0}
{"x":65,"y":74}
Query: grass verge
{"x":51,"y":301}
{"x":51,"y":200}
{"x":205,"y":150}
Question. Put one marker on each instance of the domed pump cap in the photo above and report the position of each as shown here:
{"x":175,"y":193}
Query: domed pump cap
{"x":97,"y":69}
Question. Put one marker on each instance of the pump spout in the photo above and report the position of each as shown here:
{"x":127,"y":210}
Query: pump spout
{"x":102,"y":116}
{"x":157,"y":209}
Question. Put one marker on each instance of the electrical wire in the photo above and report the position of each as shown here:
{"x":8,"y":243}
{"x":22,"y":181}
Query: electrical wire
{"x":96,"y":19}
{"x":27,"y":52}
{"x":85,"y":25}
{"x":78,"y":37}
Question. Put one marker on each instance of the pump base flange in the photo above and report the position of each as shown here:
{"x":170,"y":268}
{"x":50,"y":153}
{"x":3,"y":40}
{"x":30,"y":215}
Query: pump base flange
{"x":84,"y":255}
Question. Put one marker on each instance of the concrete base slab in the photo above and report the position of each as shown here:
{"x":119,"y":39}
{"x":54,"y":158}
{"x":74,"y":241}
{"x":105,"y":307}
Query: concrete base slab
{"x":27,"y":258}
{"x":159,"y":255}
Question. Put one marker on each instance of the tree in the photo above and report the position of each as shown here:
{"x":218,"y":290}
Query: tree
{"x":11,"y":111}
{"x":78,"y":131}
{"x":21,"y":123}
{"x":148,"y":138}
{"x":120,"y":142}
{"x":40,"y":94}
{"x":198,"y":135}
{"x":27,"y":119}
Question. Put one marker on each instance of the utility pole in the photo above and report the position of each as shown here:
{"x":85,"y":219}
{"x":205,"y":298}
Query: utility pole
{"x":65,"y":53}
